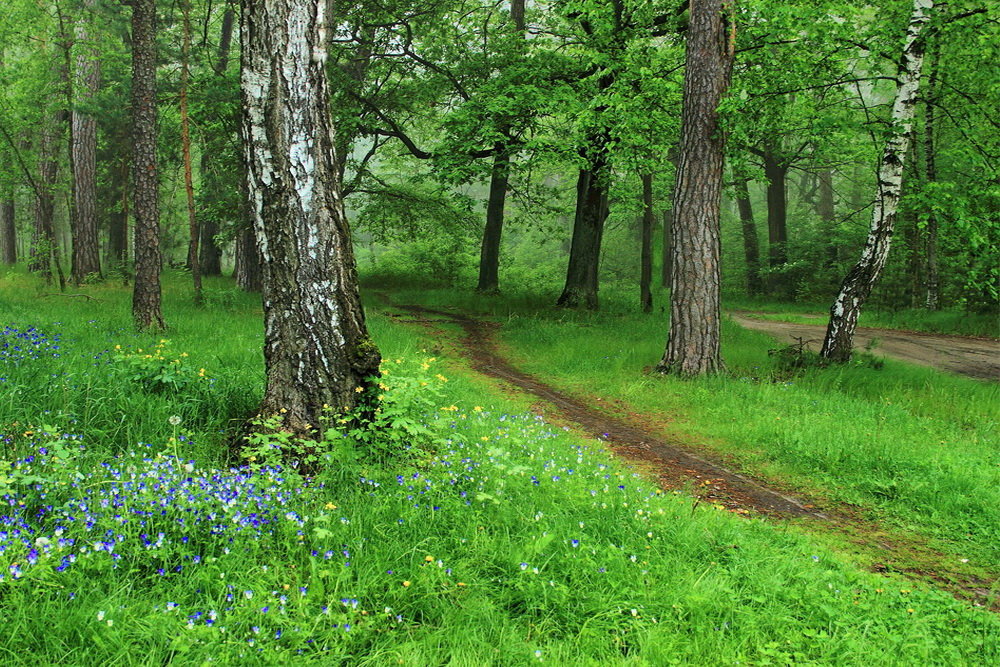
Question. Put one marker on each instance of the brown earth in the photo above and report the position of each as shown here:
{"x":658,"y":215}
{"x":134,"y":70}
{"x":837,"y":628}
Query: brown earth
{"x":974,"y":357}
{"x":676,"y":465}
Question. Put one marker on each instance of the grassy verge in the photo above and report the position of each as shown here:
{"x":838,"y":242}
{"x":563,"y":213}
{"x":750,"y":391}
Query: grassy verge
{"x":508,"y":543}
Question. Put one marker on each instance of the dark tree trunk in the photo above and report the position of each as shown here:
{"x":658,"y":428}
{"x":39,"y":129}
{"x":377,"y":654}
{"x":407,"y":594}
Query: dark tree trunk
{"x":86,"y":258}
{"x":667,"y":265}
{"x":693,"y":341}
{"x":8,"y":231}
{"x":646,"y":252}
{"x":489,"y":256}
{"x":751,"y":244}
{"x":776,"y":172}
{"x":43,"y":238}
{"x":248,"y":269}
{"x":588,"y":229}
{"x":827,"y":216}
{"x":317,"y":350}
{"x":117,"y":256}
{"x":517,"y":15}
{"x":858,"y":284}
{"x":146,"y":287}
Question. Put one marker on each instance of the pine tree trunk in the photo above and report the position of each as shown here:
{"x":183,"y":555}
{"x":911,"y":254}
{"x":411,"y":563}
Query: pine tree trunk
{"x":317,"y":350}
{"x":588,"y":229}
{"x":8,"y":231}
{"x":751,"y":243}
{"x":858,"y":284}
{"x":666,"y":266}
{"x":646,"y":251}
{"x":489,"y":256}
{"x":86,"y":258}
{"x":146,"y":287}
{"x":693,"y":341}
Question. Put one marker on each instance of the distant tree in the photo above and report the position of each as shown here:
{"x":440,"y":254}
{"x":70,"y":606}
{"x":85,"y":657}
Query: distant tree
{"x":693,"y":341}
{"x":8,"y":232}
{"x":146,"y":288}
{"x":86,"y":259}
{"x":317,"y":350}
{"x":858,"y":284}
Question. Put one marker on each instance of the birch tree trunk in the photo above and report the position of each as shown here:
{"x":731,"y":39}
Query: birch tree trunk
{"x":858,"y":284}
{"x":317,"y":350}
{"x":86,"y":258}
{"x":693,"y":341}
{"x":146,"y":288}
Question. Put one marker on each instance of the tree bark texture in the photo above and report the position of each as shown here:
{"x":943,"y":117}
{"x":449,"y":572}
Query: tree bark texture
{"x":86,"y":257}
{"x":146,"y":287}
{"x":693,"y":341}
{"x":489,"y":256}
{"x":667,"y":265}
{"x":588,"y":229}
{"x":751,"y":244}
{"x":858,"y":284}
{"x":247,"y":271}
{"x":646,"y":243}
{"x":8,"y":232}
{"x":317,"y":349}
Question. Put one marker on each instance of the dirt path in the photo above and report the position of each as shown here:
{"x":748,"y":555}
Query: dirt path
{"x":974,"y":357}
{"x":676,"y":466}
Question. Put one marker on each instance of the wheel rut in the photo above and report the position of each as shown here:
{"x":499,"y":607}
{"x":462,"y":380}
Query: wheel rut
{"x":677,"y":467}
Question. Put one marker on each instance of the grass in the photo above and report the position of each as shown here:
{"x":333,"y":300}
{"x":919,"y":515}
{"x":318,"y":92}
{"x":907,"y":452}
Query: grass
{"x":129,"y":539}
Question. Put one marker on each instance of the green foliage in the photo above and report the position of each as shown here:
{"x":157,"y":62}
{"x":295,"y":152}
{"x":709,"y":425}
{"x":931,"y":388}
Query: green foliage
{"x":158,"y":368}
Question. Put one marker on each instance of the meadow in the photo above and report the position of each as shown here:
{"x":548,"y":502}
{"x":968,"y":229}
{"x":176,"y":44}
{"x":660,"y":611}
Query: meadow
{"x":137,"y":528}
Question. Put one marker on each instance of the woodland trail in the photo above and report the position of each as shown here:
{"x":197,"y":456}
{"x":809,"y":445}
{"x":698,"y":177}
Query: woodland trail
{"x":973,"y":357}
{"x":675,"y":465}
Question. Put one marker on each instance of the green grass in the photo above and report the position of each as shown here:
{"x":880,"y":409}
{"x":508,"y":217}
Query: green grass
{"x":511,"y":543}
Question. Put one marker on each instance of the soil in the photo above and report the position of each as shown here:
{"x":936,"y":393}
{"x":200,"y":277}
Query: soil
{"x":973,"y":357}
{"x":677,"y":465}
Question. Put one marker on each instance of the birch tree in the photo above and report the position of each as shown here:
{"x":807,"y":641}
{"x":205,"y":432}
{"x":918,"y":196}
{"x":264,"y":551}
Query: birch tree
{"x":860,"y":280}
{"x":317,"y":350}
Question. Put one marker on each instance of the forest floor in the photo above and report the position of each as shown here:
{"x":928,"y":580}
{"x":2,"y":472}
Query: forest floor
{"x":973,"y":357}
{"x":679,"y":465}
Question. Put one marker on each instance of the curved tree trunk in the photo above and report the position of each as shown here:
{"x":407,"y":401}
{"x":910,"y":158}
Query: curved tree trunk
{"x":86,"y":258}
{"x":693,"y":341}
{"x":858,"y":284}
{"x":146,"y":288}
{"x":317,"y":350}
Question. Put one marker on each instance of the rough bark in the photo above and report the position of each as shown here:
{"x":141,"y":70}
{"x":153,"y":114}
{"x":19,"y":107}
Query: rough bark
{"x":193,"y":230}
{"x":858,"y":284}
{"x":86,"y":256}
{"x":588,"y":230}
{"x":8,"y":232}
{"x":517,"y":15}
{"x":43,"y":239}
{"x":146,"y":286}
{"x":317,"y":350}
{"x":776,"y":173}
{"x":646,"y":243}
{"x":489,"y":256}
{"x":666,"y":266}
{"x":693,"y":341}
{"x":751,"y":244}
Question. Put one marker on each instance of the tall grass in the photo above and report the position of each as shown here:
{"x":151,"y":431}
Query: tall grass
{"x":507,"y":542}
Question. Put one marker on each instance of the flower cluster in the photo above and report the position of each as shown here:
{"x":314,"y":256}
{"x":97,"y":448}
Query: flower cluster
{"x":17,"y":345}
{"x":158,"y":369}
